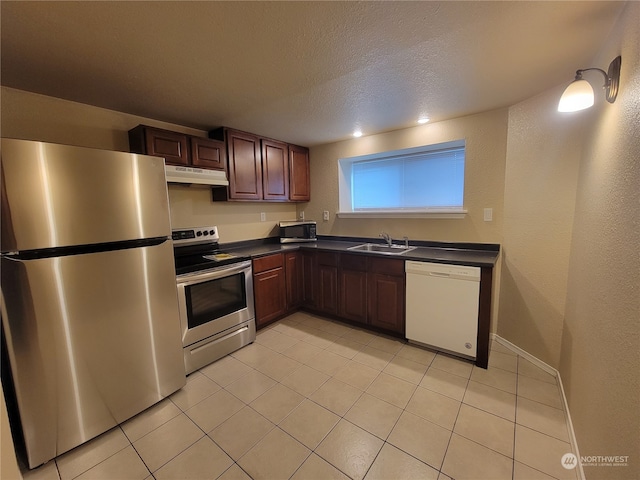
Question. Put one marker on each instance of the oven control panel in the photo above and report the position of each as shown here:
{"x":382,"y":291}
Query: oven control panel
{"x":195,"y":235}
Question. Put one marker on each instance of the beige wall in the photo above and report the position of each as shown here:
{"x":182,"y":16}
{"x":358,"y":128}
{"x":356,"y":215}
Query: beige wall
{"x":543,"y":156}
{"x":37,"y":117}
{"x":570,"y":286}
{"x":486,"y":139}
{"x":600,"y":355}
{"x":236,"y":221}
{"x":485,"y":135}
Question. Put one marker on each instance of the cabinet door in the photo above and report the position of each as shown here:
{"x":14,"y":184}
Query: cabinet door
{"x":386,"y":301}
{"x":308,"y":277}
{"x":245,"y":168}
{"x":327,"y":298}
{"x":269,"y":293}
{"x":299,"y":178}
{"x":352,"y":287}
{"x":172,"y":146}
{"x":353,"y":295}
{"x":275,"y":170}
{"x":207,"y":153}
{"x":327,"y":282}
{"x":293,"y":276}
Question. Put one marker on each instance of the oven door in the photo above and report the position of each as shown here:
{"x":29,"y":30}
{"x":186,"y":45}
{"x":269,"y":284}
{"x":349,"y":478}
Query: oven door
{"x":214,"y":300}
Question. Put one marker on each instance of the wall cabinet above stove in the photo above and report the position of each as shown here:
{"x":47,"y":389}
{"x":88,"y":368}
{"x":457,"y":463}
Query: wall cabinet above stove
{"x":178,"y":148}
{"x":263,"y":169}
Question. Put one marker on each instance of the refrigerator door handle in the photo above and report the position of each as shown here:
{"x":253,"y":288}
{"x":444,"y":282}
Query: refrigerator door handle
{"x":89,"y":249}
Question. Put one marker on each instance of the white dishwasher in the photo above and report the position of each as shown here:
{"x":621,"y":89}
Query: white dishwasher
{"x":442,"y":306}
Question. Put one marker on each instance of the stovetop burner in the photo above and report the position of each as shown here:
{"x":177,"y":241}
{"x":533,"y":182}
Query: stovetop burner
{"x":197,"y":249}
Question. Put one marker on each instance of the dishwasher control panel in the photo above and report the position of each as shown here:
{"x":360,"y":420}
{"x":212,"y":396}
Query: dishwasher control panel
{"x":443,"y":270}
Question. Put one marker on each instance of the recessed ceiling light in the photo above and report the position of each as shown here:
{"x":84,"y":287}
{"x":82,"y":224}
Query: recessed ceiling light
{"x":423,"y":120}
{"x":357,"y":133}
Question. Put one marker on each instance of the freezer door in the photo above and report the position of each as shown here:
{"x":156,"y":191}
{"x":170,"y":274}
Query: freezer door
{"x":92,"y":340}
{"x":57,"y":195}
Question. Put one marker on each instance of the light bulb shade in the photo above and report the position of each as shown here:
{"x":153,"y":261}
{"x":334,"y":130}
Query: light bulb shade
{"x":577,"y":96}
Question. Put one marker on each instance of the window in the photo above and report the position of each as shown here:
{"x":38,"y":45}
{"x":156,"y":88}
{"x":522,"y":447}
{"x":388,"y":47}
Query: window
{"x":421,"y":181}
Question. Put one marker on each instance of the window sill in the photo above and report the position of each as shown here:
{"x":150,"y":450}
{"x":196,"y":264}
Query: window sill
{"x":432,"y":213}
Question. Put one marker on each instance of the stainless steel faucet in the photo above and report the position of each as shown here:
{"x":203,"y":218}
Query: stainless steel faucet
{"x":387,"y":238}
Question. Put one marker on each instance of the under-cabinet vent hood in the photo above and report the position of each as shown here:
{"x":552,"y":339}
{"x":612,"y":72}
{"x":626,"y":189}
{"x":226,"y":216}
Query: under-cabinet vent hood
{"x":195,"y":176}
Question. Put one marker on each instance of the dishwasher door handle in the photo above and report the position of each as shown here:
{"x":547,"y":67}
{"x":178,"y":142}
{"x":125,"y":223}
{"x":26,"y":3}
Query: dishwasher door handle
{"x":439,"y":274}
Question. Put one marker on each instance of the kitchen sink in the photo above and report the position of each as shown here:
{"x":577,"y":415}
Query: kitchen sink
{"x":384,"y":249}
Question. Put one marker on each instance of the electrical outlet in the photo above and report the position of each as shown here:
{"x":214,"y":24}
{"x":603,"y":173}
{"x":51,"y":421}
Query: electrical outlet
{"x":325,"y":215}
{"x":488,"y":214}
{"x":302,"y":215}
{"x":263,"y":217}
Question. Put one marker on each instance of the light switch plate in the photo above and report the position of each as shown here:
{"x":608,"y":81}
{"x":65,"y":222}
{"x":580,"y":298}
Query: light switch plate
{"x":325,"y":215}
{"x":488,"y":214}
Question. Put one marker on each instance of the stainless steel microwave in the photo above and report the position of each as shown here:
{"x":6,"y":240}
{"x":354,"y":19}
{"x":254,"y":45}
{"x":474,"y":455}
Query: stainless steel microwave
{"x":302,"y":231}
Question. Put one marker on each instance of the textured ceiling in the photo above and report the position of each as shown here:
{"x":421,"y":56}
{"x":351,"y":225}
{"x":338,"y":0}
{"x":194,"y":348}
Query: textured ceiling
{"x":304,"y":72}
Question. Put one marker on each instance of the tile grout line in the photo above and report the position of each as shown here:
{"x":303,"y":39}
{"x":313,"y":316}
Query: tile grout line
{"x":554,"y":372}
{"x":515,"y":419}
{"x":446,"y":450}
{"x":104,"y":459}
{"x":342,"y":417}
{"x":438,"y":469}
{"x":325,"y":348}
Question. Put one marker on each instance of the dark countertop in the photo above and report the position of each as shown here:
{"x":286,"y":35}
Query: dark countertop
{"x":475,"y":255}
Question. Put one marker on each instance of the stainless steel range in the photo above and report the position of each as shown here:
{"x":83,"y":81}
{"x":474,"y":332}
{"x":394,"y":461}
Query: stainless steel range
{"x":215,"y":297}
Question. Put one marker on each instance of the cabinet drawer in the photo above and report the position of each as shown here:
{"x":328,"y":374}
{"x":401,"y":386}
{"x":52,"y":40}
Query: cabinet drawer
{"x":329,"y":259}
{"x":386,"y":266}
{"x":349,"y":261}
{"x":269,"y":262}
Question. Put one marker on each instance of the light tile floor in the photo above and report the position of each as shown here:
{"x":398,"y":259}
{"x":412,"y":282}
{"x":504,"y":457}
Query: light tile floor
{"x":316,"y":399}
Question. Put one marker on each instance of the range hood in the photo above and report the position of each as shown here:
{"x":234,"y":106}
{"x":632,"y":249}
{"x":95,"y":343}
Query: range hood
{"x":195,"y":176}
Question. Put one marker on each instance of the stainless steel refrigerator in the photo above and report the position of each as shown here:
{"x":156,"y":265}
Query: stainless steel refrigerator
{"x":89,"y":303}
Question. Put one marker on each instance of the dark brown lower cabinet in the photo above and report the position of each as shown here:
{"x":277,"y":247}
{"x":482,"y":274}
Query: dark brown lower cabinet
{"x":386,"y":294}
{"x":326,"y":299}
{"x":293,"y":277}
{"x":352,"y":281}
{"x":363,"y":289}
{"x":309,"y":280}
{"x":372,"y":291}
{"x":386,"y":302}
{"x":269,"y":289}
{"x":358,"y":288}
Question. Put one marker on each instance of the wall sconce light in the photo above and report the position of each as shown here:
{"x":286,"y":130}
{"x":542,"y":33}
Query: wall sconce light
{"x":579,"y":94}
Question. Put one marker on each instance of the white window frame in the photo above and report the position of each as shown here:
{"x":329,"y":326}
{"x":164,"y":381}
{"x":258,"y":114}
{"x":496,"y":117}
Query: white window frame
{"x":344,"y":187}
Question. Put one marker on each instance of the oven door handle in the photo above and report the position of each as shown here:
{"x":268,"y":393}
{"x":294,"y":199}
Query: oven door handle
{"x":213,"y":273}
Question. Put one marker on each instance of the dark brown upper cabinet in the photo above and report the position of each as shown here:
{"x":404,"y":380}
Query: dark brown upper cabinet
{"x":208,"y":153}
{"x":262,"y":168}
{"x":173,"y":146}
{"x":244,"y":166}
{"x":299,"y":176}
{"x":275,"y":170}
{"x":178,"y":148}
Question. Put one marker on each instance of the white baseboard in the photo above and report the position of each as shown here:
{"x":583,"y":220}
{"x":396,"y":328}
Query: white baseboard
{"x":552,"y":371}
